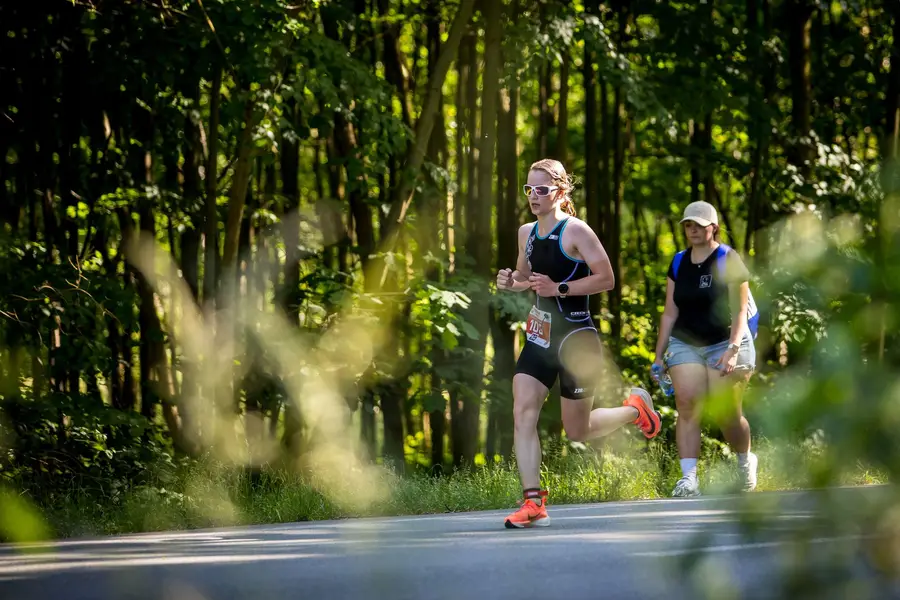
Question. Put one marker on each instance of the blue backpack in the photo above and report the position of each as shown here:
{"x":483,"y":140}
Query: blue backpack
{"x":721,"y":252}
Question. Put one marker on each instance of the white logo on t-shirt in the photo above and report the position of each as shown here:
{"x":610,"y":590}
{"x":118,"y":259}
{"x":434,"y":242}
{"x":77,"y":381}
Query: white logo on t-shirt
{"x":705,"y":281}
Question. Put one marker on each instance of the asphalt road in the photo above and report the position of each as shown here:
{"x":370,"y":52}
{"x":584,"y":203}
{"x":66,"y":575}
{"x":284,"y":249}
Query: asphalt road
{"x":639,"y":549}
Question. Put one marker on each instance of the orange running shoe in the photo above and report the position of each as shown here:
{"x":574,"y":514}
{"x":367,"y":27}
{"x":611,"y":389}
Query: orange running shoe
{"x":530,"y":514}
{"x":648,"y":420}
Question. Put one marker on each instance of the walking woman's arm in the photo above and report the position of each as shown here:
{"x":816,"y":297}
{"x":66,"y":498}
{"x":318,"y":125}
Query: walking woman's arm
{"x":737,"y":277}
{"x":667,"y":321}
{"x":739,"y":297}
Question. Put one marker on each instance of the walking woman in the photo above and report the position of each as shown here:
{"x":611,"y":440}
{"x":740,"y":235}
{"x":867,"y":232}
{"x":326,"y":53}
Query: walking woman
{"x":705,"y":341}
{"x":562,"y":262}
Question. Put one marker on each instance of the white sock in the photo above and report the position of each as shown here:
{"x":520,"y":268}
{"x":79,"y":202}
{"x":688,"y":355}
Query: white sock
{"x":689,"y":468}
{"x":742,"y":458}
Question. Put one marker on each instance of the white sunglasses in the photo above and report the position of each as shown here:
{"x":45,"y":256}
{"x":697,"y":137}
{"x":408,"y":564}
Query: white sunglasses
{"x":540,"y":190}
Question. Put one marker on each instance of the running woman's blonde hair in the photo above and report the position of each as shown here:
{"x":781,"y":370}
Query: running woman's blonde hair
{"x":557,"y":173}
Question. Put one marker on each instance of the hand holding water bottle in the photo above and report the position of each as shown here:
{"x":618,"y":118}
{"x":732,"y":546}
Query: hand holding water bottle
{"x":659,"y":375}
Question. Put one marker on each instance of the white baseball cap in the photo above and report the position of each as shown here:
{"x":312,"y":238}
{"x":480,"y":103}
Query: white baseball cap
{"x":702,"y":213}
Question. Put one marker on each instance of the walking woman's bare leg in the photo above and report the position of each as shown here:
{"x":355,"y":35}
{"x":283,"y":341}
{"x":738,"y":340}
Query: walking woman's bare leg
{"x":691,"y":386}
{"x":690,"y":383}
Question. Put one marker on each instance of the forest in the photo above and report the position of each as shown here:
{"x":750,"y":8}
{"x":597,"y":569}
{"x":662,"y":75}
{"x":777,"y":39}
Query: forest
{"x":265,"y":233}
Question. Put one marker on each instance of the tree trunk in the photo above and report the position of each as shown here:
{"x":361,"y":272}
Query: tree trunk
{"x":500,"y":426}
{"x":562,"y":124}
{"x":142,"y":171}
{"x":644,"y":244}
{"x":890,"y":183}
{"x":761,"y":134}
{"x":393,"y":67}
{"x":892,"y":101}
{"x":613,"y":237}
{"x":592,"y":167}
{"x":211,"y":228}
{"x":238,"y":195}
{"x":480,"y":216}
{"x":343,"y":149}
{"x":290,"y":165}
{"x":430,"y":215}
{"x":468,"y":56}
{"x":799,"y":15}
{"x":192,"y":193}
{"x":391,"y":361}
{"x":456,"y":215}
{"x":543,"y":83}
{"x":606,"y":151}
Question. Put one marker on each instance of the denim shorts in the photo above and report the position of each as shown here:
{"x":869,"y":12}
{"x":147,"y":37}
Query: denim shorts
{"x":680,"y":353}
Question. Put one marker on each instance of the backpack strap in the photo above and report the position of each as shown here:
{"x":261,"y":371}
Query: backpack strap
{"x":721,"y":258}
{"x":676,"y":262}
{"x":752,"y":309}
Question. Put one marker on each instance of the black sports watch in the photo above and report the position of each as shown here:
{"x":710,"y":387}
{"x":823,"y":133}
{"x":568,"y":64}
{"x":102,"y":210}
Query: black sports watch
{"x":563,"y":289}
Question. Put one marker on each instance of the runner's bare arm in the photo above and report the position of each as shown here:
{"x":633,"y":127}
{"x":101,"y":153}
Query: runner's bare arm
{"x":589,"y":248}
{"x":520,"y":276}
{"x":522,"y":272}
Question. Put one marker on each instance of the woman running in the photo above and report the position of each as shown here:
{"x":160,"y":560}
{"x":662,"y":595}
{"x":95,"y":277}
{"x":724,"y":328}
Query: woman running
{"x":563,"y":262}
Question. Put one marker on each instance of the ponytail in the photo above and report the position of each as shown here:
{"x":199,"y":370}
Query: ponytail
{"x":568,"y":207}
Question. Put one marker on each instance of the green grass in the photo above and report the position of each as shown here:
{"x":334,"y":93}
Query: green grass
{"x":208,"y":495}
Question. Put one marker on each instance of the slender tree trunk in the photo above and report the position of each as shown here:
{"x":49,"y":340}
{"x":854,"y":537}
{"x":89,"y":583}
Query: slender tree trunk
{"x":500,"y":425}
{"x":211,"y":230}
{"x":238,"y":195}
{"x":142,"y":171}
{"x":460,"y":395}
{"x":799,"y":16}
{"x":462,"y":120}
{"x":892,"y":101}
{"x":190,"y":239}
{"x":545,"y":117}
{"x":757,"y":211}
{"x":393,"y":67}
{"x":329,"y":210}
{"x":430,"y":213}
{"x":290,"y":165}
{"x":481,"y":219}
{"x":592,"y":167}
{"x":890,"y":183}
{"x":562,"y":125}
{"x":613,"y":236}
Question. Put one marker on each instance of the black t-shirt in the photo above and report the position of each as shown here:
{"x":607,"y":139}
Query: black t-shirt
{"x":701,"y":295}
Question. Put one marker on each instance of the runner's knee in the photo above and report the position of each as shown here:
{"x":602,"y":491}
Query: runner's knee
{"x":525,"y":415}
{"x":577,"y":433}
{"x":528,"y":397}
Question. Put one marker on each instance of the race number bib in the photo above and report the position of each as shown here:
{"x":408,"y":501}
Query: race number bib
{"x":537,"y":328}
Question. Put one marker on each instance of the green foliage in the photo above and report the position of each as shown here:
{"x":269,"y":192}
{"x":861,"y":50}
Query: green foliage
{"x":442,"y":312}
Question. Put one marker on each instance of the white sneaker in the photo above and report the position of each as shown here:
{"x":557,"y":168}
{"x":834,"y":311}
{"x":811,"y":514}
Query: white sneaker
{"x":687,"y":487}
{"x":748,"y":471}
